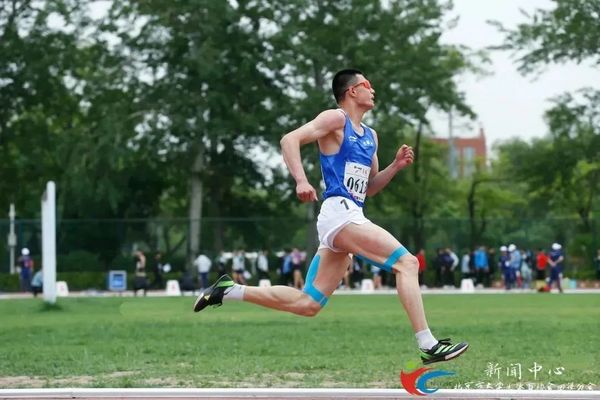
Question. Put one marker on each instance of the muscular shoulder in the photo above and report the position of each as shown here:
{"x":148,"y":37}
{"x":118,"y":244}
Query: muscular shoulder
{"x":375,"y":137}
{"x":330,"y":120}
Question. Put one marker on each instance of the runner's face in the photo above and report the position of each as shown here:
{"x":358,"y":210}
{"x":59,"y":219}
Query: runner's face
{"x":365,"y":94}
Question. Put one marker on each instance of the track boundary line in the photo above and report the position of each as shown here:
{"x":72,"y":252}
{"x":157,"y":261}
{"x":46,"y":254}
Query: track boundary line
{"x":282,"y":393}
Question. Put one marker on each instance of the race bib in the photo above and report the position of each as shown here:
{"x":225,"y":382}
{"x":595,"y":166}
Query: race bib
{"x":356,"y":180}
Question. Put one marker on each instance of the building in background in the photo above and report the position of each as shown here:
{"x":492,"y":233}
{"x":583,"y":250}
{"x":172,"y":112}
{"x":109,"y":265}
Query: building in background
{"x":465,"y":153}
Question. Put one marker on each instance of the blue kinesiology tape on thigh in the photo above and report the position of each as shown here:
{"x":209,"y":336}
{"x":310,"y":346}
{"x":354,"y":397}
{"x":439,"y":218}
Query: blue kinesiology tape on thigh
{"x":391,"y":260}
{"x":309,"y":288}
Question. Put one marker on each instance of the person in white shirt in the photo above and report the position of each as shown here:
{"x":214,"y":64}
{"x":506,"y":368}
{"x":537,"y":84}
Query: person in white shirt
{"x":203,"y":264}
{"x":465,"y":265}
{"x":238,"y":267}
{"x":262,"y":264}
{"x":450,"y":272}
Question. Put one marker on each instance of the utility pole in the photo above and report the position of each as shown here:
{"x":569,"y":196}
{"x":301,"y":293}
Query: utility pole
{"x":12,"y":238}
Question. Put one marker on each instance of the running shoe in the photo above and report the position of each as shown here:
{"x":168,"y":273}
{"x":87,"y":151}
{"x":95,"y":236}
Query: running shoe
{"x":213,"y":296}
{"x":444,"y":350}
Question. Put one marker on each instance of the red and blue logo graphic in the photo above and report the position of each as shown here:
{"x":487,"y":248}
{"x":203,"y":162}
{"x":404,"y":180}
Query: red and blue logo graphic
{"x":415,"y":382}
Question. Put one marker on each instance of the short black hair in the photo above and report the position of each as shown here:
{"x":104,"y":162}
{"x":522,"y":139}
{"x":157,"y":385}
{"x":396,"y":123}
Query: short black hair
{"x":342,"y":80}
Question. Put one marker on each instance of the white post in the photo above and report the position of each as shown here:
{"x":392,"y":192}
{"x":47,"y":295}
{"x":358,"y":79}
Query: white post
{"x":49,"y":242}
{"x":12,"y":238}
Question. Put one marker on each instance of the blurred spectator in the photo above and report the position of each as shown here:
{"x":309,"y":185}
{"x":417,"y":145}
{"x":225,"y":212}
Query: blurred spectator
{"x":526,"y":273}
{"x":345,"y":282}
{"x":465,"y":265}
{"x":285,"y":277}
{"x":357,"y":272}
{"x":37,"y":283}
{"x":422,"y":266}
{"x":297,"y":259}
{"x":438,"y":264}
{"x":221,"y":262}
{"x":505,"y":268}
{"x":472,"y":263}
{"x":262,"y":264}
{"x":26,"y":267}
{"x":157,"y":269}
{"x":376,"y":271}
{"x":555,"y":259}
{"x":482,"y":267}
{"x":598,"y":264}
{"x":186,"y":282}
{"x":387,"y":280}
{"x":238,"y":267}
{"x":492,"y":263}
{"x":450,"y":263}
{"x":515,"y":263}
{"x":140,"y":279}
{"x":203,"y":264}
{"x":541,"y":261}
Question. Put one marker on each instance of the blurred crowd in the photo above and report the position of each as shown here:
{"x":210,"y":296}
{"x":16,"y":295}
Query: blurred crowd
{"x":508,"y":266}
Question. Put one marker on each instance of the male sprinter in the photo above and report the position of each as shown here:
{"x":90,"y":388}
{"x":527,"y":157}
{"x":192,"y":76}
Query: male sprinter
{"x":351,"y":172}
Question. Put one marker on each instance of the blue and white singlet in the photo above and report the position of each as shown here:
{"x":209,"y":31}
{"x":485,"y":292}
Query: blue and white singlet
{"x":346,"y":173}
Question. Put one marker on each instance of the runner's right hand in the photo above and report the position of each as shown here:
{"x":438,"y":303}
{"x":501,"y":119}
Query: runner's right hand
{"x":306,"y":192}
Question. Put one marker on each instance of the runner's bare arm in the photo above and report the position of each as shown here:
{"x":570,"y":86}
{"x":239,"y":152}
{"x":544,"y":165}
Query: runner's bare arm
{"x":379,"y":179}
{"x":324,"y":124}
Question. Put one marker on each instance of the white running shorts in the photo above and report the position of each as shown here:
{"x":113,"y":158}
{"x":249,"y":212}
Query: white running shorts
{"x":337,"y":212}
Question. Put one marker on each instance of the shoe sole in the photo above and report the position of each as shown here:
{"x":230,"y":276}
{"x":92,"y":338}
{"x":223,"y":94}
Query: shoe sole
{"x":456,"y":353}
{"x":209,"y":290}
{"x":197,"y":302}
{"x":448,"y":357}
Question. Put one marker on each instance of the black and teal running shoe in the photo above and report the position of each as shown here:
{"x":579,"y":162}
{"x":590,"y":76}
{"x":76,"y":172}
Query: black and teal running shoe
{"x":213,"y":296}
{"x":443,"y":351}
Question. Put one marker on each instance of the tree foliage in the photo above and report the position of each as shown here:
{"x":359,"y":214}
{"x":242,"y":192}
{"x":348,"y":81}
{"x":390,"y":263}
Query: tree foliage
{"x":160,"y":108}
{"x":567,"y":32}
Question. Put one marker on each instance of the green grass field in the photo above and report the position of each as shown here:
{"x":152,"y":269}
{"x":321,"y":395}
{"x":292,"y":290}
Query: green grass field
{"x":357,"y":341}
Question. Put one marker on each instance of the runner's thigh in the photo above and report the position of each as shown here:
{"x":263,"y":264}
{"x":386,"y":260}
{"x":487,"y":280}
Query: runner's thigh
{"x":368,"y":240}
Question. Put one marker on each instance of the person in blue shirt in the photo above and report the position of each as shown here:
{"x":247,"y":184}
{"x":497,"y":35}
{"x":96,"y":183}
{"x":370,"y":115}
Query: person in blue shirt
{"x":350,"y":170}
{"x":482,"y":267}
{"x":555,"y":259}
{"x":286,"y":268}
{"x":26,"y":269}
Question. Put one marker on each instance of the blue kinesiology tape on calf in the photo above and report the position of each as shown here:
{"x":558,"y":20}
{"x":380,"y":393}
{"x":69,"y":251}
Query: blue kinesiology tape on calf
{"x":309,"y":289}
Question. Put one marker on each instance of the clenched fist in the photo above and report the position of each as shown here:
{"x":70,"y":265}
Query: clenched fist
{"x":405,"y":156}
{"x":306,"y":192}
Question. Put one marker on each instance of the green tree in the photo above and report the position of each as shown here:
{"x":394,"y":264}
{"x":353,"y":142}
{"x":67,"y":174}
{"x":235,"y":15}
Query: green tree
{"x":567,"y":32}
{"x":202,"y":88}
{"x":36,"y":106}
{"x":66,"y":115}
{"x":575,"y":128}
{"x":397,"y":45}
{"x":565,"y":165}
{"x":214,"y":79}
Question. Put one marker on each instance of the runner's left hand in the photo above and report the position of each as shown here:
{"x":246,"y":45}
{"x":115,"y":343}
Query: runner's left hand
{"x":405,"y":156}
